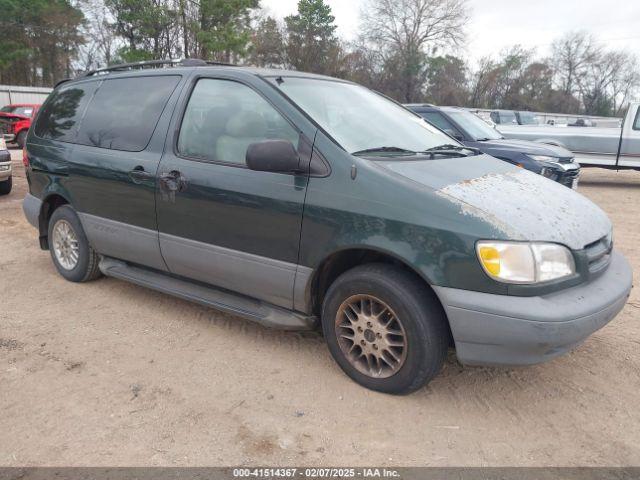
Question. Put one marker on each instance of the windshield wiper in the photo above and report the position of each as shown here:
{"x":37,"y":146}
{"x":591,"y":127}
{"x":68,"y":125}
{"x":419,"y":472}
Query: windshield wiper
{"x":452,"y":150}
{"x":385,"y":150}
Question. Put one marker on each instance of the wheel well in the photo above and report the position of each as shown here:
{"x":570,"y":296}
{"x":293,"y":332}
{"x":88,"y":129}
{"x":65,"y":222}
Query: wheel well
{"x":339,"y":262}
{"x":51,"y":203}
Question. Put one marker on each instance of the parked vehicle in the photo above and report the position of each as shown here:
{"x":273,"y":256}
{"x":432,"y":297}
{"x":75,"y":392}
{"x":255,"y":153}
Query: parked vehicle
{"x":504,"y":117}
{"x":552,"y":162}
{"x":15,"y":121}
{"x":509,"y":117}
{"x":294,"y":200}
{"x":581,"y":122}
{"x":526,"y":118}
{"x":601,"y":147}
{"x":5,"y":169}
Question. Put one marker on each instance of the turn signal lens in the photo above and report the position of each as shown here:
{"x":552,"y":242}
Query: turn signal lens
{"x":25,"y":157}
{"x":490,"y":258}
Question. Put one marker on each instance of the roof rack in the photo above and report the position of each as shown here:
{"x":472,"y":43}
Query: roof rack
{"x":187,"y":62}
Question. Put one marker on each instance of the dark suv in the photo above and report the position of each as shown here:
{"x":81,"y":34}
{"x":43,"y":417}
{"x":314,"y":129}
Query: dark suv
{"x":295,"y":200}
{"x":555,"y":163}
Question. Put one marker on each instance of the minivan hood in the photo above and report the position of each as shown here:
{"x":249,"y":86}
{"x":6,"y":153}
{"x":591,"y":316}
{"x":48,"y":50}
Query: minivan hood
{"x":524,"y":146}
{"x":518,"y":204}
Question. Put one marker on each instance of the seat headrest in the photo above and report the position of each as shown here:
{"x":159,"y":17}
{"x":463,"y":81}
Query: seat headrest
{"x":245,"y":124}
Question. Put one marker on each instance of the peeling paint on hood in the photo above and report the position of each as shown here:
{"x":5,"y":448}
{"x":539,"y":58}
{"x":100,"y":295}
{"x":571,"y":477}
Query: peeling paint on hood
{"x":516,"y":203}
{"x":526,"y":206}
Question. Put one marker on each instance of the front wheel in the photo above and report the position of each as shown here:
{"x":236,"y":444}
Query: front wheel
{"x":385,"y":328}
{"x":71,"y":253}
{"x":5,"y":186}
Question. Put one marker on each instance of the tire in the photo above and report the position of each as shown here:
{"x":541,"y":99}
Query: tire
{"x":85,"y":268}
{"x":21,"y":138}
{"x":390,"y":292}
{"x":5,"y":186}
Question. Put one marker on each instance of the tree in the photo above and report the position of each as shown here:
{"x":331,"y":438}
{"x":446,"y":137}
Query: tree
{"x":267,"y":44}
{"x":404,"y":32}
{"x":223,"y":28}
{"x":571,"y":57}
{"x":147,"y":27}
{"x":40,"y":40}
{"x":312,"y":45}
{"x":101,"y":42}
{"x":447,"y":81}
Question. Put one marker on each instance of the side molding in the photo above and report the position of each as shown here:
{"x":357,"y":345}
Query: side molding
{"x":123,"y":241}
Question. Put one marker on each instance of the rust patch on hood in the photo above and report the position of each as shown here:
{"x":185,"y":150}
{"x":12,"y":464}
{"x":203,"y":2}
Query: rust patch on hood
{"x":522,"y":205}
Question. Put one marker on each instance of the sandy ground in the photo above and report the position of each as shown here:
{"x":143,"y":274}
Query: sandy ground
{"x":111,"y":374}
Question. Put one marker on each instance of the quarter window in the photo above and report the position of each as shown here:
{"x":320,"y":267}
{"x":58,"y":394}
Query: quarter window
{"x":224,"y":117}
{"x":636,"y":125}
{"x":124,"y":112}
{"x":62,"y":111}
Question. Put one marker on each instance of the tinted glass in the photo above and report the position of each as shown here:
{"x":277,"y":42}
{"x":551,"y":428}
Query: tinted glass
{"x":223,"y":118}
{"x":527,"y":118}
{"x":63,"y":110}
{"x":636,"y":125}
{"x":124,"y":112}
{"x":508,"y":117}
{"x":358,"y":118}
{"x":435,"y":118}
{"x":475,"y":127}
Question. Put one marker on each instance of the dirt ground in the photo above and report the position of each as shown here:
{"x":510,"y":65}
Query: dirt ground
{"x":111,"y":374}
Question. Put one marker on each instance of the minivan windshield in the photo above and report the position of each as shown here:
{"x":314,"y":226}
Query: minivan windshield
{"x":475,"y":127}
{"x":360,"y":119}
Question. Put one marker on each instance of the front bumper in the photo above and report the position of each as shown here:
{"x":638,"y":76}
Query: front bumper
{"x":491,"y":329}
{"x":566,"y":174}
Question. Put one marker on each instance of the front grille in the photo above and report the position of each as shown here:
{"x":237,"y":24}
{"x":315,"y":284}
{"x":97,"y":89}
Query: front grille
{"x":5,"y":127}
{"x":599,"y":254}
{"x":567,"y":177}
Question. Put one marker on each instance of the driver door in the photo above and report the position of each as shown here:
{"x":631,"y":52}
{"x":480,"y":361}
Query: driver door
{"x":227,"y":225}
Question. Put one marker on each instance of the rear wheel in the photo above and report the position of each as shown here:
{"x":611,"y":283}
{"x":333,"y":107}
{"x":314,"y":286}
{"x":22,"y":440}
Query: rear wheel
{"x":21,"y":138}
{"x":70,"y":251}
{"x":5,"y":186}
{"x":384,"y":328}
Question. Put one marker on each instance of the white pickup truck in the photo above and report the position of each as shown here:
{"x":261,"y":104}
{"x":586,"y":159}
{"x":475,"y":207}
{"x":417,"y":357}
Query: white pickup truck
{"x":593,"y":146}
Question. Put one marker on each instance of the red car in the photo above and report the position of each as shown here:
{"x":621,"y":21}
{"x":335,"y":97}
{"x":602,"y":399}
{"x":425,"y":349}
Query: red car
{"x":15,"y":121}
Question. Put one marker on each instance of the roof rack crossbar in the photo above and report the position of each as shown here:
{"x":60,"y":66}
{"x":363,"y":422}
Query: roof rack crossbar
{"x":187,"y":62}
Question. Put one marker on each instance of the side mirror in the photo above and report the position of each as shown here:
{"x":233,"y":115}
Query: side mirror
{"x":273,"y":156}
{"x":452,"y":133}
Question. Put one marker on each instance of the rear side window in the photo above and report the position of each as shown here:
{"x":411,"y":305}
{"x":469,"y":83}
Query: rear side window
{"x":62,"y":112}
{"x":636,"y":125}
{"x":124,"y":112}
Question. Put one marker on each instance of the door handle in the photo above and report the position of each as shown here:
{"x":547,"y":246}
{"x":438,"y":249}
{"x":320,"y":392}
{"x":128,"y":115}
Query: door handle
{"x":139,"y":175}
{"x":172,"y":182}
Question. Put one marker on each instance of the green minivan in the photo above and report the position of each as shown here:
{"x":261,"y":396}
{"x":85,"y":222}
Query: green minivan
{"x":301,"y":201}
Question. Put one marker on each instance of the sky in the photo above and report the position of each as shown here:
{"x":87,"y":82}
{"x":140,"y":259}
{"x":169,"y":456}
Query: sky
{"x":498,"y":24}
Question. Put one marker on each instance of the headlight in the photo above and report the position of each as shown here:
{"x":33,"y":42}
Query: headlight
{"x":544,"y":158}
{"x":523,"y":262}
